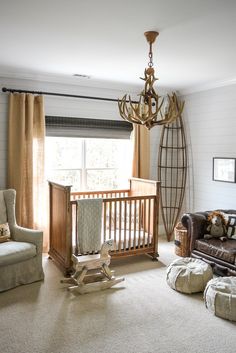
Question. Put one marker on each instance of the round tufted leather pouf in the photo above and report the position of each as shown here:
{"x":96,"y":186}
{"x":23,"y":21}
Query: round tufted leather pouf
{"x":188,"y":275}
{"x":220,"y":297}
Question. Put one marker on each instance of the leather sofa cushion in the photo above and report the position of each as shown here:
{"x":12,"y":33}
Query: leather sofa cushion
{"x":224,"y":250}
{"x":13,"y":252}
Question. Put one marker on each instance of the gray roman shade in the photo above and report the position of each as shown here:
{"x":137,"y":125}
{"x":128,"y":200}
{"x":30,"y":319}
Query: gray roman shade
{"x":90,"y":128}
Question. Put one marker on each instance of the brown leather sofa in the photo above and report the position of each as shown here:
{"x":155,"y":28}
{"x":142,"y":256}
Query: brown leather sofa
{"x":221,"y":255}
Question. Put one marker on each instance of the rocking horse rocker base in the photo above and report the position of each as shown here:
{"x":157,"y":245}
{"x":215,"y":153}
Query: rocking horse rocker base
{"x":85,"y":281}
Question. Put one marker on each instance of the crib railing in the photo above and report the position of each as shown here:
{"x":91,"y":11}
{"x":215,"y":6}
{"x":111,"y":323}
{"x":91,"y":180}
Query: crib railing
{"x":130,"y":221}
{"x":102,"y":194}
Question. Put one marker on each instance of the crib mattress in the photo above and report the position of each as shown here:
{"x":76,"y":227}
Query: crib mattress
{"x":125,"y":240}
{"x":129,"y":239}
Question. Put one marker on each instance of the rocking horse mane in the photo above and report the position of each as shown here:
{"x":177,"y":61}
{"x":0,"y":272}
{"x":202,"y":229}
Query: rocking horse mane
{"x":217,"y":214}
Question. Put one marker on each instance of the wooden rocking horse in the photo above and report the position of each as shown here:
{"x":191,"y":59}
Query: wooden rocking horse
{"x":97,"y":258}
{"x":85,"y":282}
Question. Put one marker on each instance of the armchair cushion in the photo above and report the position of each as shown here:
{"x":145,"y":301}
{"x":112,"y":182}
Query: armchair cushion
{"x":13,"y":252}
{"x":231,"y":225}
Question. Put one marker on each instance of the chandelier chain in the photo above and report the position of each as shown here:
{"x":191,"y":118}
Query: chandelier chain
{"x":150,"y":64}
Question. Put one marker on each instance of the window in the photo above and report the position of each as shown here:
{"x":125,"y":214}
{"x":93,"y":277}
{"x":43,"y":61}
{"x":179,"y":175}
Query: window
{"x":88,"y":154}
{"x":88,"y":163}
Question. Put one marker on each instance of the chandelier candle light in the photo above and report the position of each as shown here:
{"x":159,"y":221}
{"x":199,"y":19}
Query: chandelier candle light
{"x":151,"y":109}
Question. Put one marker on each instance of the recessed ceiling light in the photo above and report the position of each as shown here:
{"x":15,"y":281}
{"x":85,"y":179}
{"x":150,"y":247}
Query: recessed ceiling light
{"x":81,"y":75}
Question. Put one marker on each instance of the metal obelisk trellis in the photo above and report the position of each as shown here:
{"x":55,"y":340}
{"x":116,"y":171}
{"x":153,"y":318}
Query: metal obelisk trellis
{"x":172,"y":172}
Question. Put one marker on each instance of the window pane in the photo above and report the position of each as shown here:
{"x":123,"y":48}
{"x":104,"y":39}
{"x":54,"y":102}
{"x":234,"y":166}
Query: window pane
{"x":102,"y":179}
{"x":63,"y":153}
{"x":105,"y":153}
{"x":67,"y":176}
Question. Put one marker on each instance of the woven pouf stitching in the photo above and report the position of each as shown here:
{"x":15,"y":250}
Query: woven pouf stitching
{"x":220,"y":297}
{"x":188,"y":275}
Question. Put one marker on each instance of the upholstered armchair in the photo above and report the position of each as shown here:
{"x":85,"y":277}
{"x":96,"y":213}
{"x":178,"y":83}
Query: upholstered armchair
{"x":20,"y":248}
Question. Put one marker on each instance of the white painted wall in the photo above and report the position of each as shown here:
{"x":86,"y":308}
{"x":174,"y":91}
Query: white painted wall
{"x":70,"y":107}
{"x":211,"y":132}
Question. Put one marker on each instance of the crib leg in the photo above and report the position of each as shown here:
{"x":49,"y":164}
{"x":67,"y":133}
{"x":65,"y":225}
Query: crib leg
{"x":154,"y":256}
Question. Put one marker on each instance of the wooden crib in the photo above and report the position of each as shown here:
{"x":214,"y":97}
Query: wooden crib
{"x":130,"y":217}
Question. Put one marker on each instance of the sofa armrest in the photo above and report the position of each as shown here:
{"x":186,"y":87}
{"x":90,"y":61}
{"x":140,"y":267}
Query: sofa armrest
{"x":28,"y":235}
{"x":195,"y":223}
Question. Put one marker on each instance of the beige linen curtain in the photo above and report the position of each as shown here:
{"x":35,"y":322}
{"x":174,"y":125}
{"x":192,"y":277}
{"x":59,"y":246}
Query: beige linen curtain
{"x":141,"y":152}
{"x":26,"y":135}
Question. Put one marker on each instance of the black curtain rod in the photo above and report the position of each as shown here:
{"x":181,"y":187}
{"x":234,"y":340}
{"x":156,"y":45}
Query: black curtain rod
{"x":11,"y":90}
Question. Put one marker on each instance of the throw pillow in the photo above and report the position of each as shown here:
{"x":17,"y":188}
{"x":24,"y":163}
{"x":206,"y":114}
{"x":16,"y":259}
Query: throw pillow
{"x":231,"y":225}
{"x":4,"y":232}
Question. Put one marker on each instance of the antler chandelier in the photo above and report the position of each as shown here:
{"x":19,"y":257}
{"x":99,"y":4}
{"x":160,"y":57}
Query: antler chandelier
{"x":151,"y":109}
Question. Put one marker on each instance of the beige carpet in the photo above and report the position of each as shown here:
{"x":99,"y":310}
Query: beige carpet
{"x":141,"y":315}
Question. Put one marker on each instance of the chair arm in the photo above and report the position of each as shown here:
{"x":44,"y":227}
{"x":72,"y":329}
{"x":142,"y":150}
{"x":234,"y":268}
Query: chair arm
{"x":28,"y":235}
{"x":195,"y":223}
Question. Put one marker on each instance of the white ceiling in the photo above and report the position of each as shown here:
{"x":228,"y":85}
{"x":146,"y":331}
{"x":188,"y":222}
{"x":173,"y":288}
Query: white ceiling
{"x":104,"y":39}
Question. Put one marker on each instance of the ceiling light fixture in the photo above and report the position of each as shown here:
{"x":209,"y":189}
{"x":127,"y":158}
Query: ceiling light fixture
{"x":151,"y":109}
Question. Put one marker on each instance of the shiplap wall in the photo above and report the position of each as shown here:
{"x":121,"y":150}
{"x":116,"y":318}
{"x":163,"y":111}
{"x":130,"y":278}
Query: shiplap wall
{"x":70,"y":107}
{"x":211,"y":131}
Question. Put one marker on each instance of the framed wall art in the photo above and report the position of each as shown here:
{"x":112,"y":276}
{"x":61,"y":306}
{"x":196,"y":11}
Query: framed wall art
{"x":224,"y":169}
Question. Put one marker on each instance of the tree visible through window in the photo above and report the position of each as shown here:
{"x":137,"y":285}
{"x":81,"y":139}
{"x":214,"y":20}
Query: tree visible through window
{"x":89,"y":164}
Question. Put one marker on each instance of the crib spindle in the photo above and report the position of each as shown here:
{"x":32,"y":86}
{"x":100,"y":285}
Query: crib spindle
{"x":139,"y":223}
{"x":144,"y":221}
{"x":149,"y":224}
{"x":130,"y":223}
{"x":120,"y":223}
{"x":125,"y":220}
{"x":110,"y":219}
{"x":104,"y":220}
{"x":114,"y":222}
{"x":135,"y":221}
